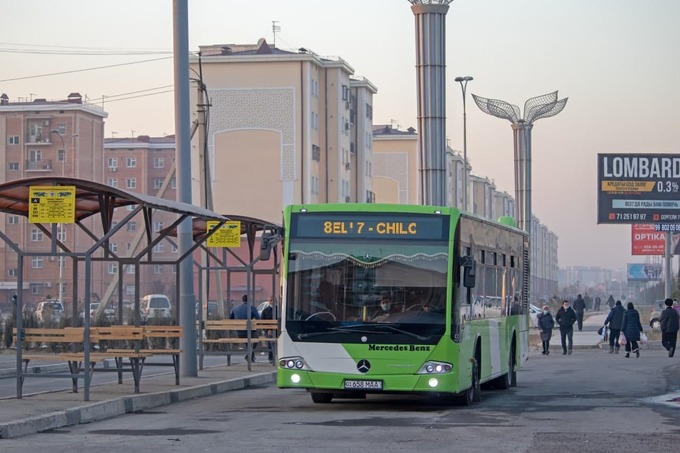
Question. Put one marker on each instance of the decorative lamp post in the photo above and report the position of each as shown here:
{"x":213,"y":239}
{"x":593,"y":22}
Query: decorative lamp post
{"x":463,"y":86}
{"x":536,"y":108}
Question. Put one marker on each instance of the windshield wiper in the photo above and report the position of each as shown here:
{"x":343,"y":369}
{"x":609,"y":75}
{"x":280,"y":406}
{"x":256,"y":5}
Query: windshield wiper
{"x":405,"y":332}
{"x":334,"y":330}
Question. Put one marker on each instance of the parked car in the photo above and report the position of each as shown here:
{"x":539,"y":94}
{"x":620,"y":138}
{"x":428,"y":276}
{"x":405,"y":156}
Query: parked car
{"x":155,"y":306}
{"x":109,"y":312}
{"x":49,"y":310}
{"x":212,"y":310}
{"x":657,"y":308}
{"x":534,"y":311}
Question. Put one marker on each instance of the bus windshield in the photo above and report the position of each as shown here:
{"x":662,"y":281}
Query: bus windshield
{"x":339,"y":289}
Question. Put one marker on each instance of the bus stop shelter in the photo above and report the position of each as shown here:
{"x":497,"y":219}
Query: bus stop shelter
{"x":94,"y":207}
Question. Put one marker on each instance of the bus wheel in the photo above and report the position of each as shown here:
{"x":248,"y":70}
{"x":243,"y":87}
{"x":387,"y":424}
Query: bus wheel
{"x":505,"y":382}
{"x":322,"y":398}
{"x":476,"y":385}
{"x":512,"y":371}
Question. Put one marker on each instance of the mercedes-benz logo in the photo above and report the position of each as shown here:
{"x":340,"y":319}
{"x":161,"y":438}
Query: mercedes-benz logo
{"x":363,"y":366}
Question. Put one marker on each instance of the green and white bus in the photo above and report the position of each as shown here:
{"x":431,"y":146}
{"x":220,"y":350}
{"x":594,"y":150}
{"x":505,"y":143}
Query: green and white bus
{"x":456,"y":286}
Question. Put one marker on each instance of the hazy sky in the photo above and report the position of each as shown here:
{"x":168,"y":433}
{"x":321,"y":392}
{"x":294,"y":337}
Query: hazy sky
{"x":616,"y":61}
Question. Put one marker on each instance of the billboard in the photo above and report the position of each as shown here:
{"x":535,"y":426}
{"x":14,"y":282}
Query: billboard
{"x":638,"y":188}
{"x":646,"y":239}
{"x":643,"y":272}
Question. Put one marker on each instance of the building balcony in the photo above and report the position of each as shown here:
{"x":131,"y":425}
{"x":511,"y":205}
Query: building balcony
{"x":41,"y":165}
{"x":38,"y":140}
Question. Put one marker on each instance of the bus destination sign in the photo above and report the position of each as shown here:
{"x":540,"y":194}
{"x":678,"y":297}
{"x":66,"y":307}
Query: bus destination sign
{"x":638,"y":188}
{"x":369,"y":225}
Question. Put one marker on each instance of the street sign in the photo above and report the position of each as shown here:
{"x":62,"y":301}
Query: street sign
{"x":638,"y":188}
{"x":52,"y":204}
{"x":228,"y":235}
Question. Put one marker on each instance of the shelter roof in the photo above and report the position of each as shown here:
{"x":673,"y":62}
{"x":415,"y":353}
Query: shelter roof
{"x":91,"y":198}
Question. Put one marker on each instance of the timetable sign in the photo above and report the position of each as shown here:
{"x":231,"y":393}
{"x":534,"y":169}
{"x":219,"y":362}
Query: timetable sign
{"x":228,"y":235}
{"x":51,"y":204}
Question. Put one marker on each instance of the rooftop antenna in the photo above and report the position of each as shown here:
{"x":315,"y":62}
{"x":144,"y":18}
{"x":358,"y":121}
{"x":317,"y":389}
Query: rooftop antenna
{"x":275,"y":28}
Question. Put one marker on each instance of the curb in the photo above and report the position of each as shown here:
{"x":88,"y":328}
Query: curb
{"x":45,"y":369}
{"x":127,"y":404}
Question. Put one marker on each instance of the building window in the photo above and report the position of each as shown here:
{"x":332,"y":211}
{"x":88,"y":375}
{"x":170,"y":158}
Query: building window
{"x":131,"y":183}
{"x":130,"y":207}
{"x":129,"y":290}
{"x":37,"y":262}
{"x":132,"y":226}
{"x":13,"y":165}
{"x":173,"y":183}
{"x":158,"y":162}
{"x":13,"y":139}
{"x":12,"y":272}
{"x":35,"y":155}
{"x":129,"y":269}
{"x":131,"y":162}
{"x":158,"y":226}
{"x":113,"y":246}
{"x":113,"y":163}
{"x":113,"y":182}
{"x":157,"y":183}
{"x":345,"y":93}
{"x":159,"y":248}
{"x":36,"y":235}
{"x":111,"y":268}
{"x":369,"y":111}
{"x":13,"y":219}
{"x":36,"y":288}
{"x":61,"y":233}
{"x":61,"y":155}
{"x":174,"y":248}
{"x":157,"y":268}
{"x":316,"y":153}
{"x":62,"y":129}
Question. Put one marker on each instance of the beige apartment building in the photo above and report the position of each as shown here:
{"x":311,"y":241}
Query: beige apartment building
{"x":45,"y":138}
{"x":282,"y":127}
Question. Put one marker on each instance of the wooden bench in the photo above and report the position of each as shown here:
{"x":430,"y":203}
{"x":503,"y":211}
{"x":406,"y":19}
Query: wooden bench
{"x":230,"y":335}
{"x":171,"y":334}
{"x":73,"y":338}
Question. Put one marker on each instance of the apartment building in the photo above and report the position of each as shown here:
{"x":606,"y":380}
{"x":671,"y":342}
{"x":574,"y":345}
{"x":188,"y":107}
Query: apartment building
{"x":45,"y":138}
{"x":144,"y":165}
{"x":282,"y":127}
{"x":395,"y":165}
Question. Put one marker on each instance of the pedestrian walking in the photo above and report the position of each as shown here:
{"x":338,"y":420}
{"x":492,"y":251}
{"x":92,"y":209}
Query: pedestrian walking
{"x":670,"y":324}
{"x":631,"y":328}
{"x":610,"y":302}
{"x":241,"y":312}
{"x":598,"y":302}
{"x":565,"y":318}
{"x":615,"y":321}
{"x":546,"y":324}
{"x":579,"y":308}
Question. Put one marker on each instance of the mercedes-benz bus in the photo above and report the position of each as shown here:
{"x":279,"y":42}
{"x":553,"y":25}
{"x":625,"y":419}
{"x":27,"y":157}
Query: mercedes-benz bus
{"x":455,"y":288}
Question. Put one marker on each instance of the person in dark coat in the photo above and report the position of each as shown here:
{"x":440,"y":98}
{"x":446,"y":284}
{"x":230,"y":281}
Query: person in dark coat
{"x":241,"y":312}
{"x":579,"y":308}
{"x":615,"y":321}
{"x":610,"y":302}
{"x":546,"y":323}
{"x":631,"y":328}
{"x":670,"y":324}
{"x":565,"y":318}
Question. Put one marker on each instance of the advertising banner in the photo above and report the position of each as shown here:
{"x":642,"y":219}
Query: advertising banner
{"x":647,"y":239}
{"x":638,"y":188}
{"x":643,"y":272}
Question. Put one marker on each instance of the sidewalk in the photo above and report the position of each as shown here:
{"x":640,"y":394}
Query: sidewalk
{"x":45,"y":411}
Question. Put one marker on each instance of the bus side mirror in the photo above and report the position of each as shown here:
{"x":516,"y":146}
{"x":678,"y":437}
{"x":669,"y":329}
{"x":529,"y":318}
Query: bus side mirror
{"x":469,"y":271}
{"x":267,"y":242}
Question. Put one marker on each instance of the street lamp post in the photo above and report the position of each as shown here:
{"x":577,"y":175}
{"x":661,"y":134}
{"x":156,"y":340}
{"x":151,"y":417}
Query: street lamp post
{"x":60,"y":226}
{"x":463,"y":86}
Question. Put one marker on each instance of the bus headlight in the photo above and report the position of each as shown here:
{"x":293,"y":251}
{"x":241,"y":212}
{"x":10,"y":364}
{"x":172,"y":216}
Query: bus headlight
{"x":433,"y":367}
{"x":292,"y":363}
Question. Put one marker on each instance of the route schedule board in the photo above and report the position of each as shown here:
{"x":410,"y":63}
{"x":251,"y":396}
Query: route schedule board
{"x":228,"y":235}
{"x":52,"y":204}
{"x":638,"y":188}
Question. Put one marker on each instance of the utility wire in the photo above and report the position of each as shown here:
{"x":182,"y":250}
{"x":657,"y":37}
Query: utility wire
{"x":85,"y":69}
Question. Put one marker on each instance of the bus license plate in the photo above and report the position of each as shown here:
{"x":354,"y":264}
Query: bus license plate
{"x":364,"y":385}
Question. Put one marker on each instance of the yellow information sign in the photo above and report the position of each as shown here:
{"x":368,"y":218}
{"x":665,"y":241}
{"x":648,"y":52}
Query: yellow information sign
{"x":52,"y":204}
{"x":229,"y":234}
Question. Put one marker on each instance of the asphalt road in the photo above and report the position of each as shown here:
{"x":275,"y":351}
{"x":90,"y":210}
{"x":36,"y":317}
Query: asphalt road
{"x":590,"y":401}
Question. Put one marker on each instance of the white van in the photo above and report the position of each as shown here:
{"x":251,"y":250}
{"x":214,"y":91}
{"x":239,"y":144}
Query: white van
{"x":154,"y":306}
